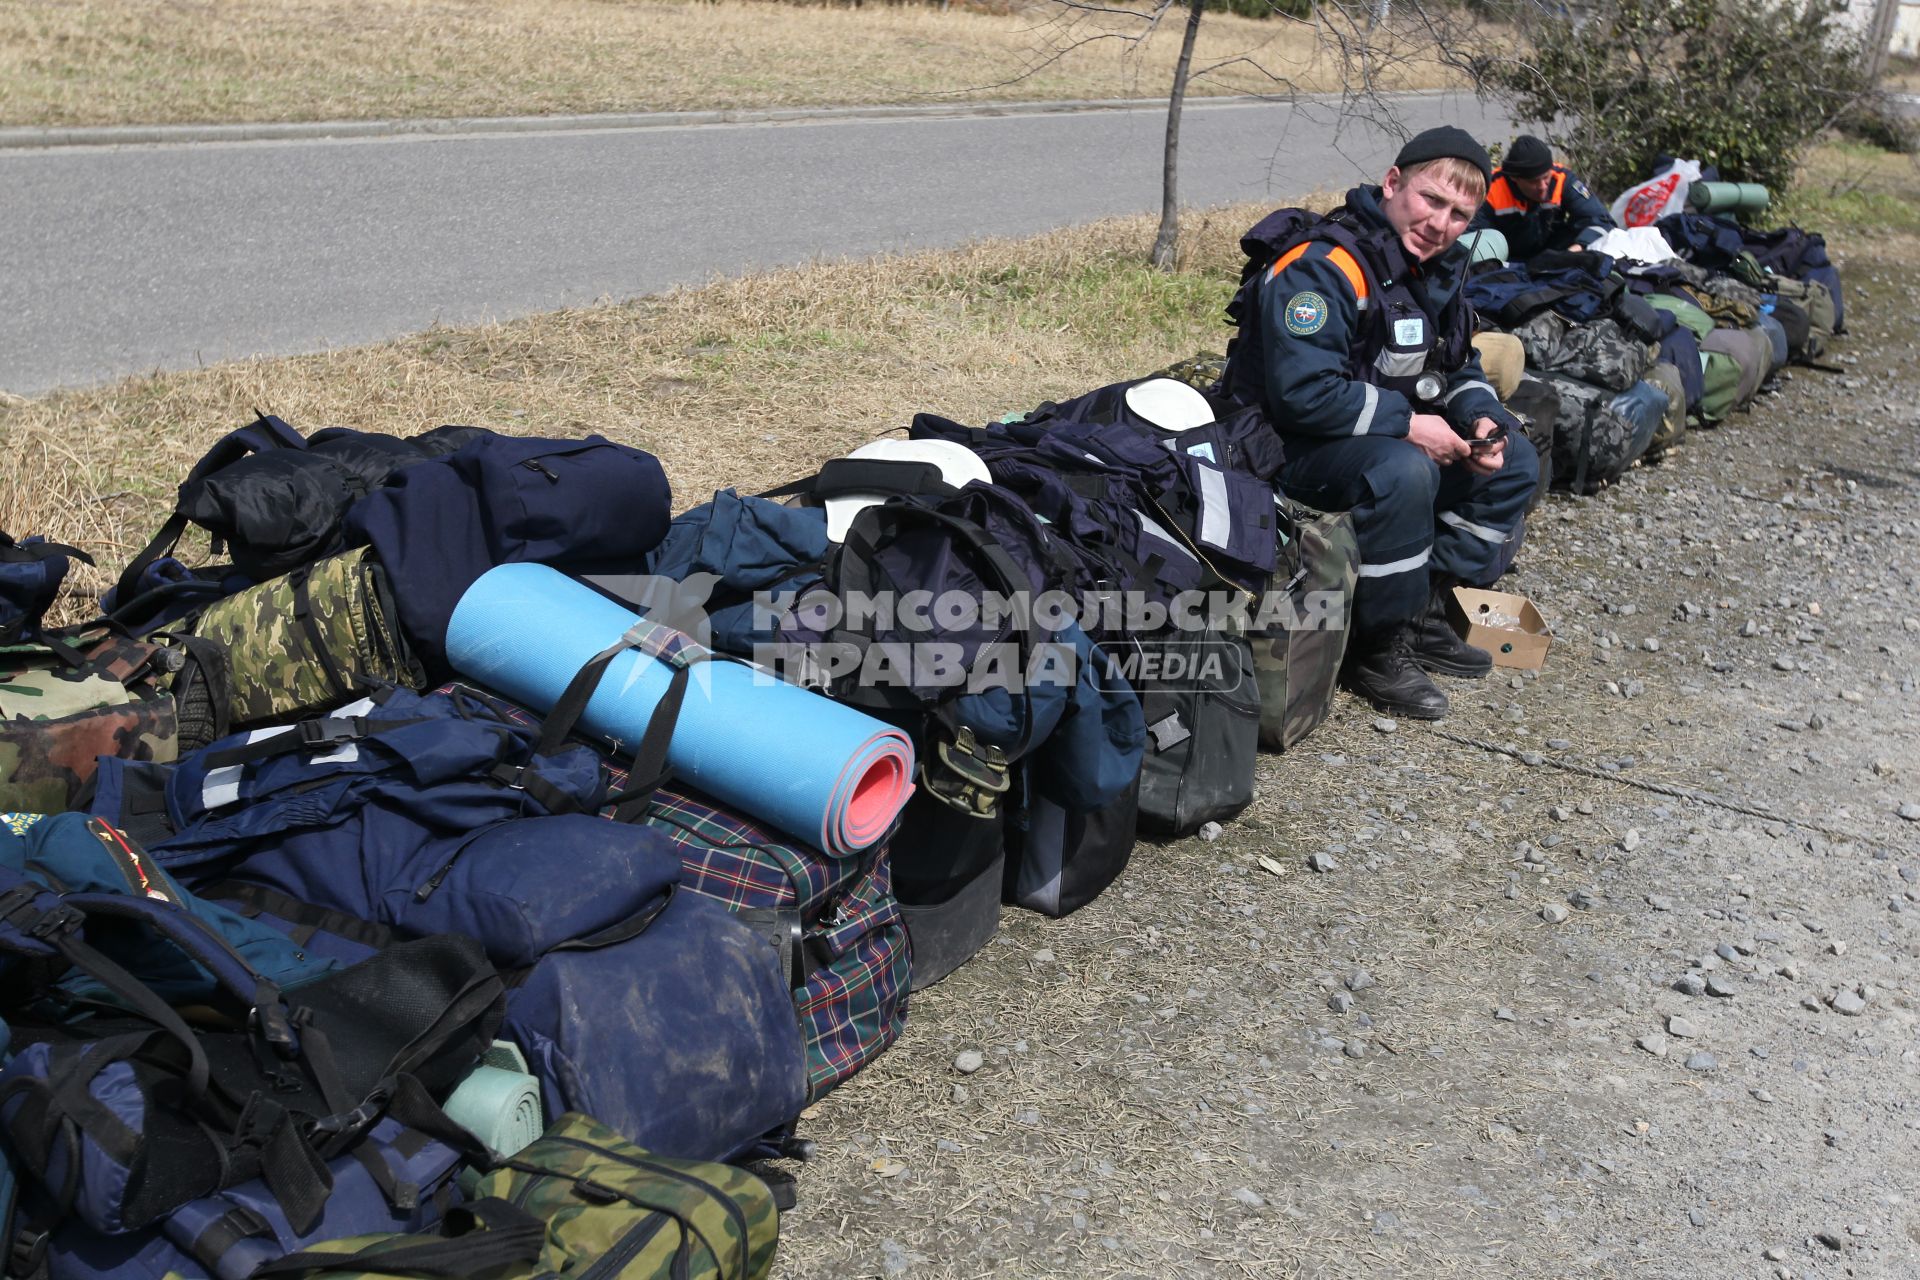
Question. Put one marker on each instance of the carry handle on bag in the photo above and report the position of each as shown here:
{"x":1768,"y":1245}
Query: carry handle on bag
{"x":263,"y":433}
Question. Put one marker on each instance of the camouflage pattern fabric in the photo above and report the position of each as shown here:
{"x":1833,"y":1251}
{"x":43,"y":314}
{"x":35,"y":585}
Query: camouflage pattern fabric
{"x":1602,"y":353}
{"x":1202,"y":372}
{"x":57,"y":720}
{"x":1538,"y":405}
{"x":297,"y":644}
{"x":1593,"y":445}
{"x":609,"y":1208}
{"x":1724,"y":309}
{"x":1541,"y":336}
{"x":1298,"y":666}
{"x":1673,"y":424}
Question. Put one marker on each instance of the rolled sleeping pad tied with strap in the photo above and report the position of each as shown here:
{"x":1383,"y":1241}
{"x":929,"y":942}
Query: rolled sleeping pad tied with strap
{"x":817,"y":769}
{"x":1728,"y":197}
{"x":499,"y":1107}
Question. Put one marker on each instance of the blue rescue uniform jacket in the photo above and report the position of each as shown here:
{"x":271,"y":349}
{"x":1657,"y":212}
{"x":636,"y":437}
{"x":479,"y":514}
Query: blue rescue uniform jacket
{"x":1339,"y":338}
{"x":1569,"y":215}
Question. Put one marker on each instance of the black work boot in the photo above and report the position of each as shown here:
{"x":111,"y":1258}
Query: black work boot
{"x":1438,"y":648}
{"x":1383,"y":671}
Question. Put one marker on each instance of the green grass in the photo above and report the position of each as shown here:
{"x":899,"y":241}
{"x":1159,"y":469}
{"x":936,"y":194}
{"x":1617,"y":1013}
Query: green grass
{"x":1850,"y":188}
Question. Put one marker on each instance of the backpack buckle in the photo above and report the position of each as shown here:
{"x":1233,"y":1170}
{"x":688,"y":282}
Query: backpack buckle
{"x":27,"y":1251}
{"x":332,"y":731}
{"x":973,"y":776}
{"x":60,"y":919}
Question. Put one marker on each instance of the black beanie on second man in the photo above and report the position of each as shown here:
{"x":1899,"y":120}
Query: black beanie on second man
{"x":1444,"y":142}
{"x":1528,"y":157}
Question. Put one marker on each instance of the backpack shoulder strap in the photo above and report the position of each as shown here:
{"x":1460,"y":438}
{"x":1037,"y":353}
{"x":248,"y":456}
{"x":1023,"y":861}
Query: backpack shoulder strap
{"x":264,"y":433}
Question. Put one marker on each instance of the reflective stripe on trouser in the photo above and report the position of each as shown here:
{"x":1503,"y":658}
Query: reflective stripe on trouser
{"x":1389,"y":486}
{"x":1412,"y":517}
{"x":1477,"y":517}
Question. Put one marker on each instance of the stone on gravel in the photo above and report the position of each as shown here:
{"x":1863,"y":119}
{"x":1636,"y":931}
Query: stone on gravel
{"x":1910,"y":811}
{"x":1359,"y":980}
{"x":1654,"y":1043}
{"x":1584,"y":807}
{"x":969,"y":1061}
{"x":1249,"y":1197}
{"x":1703,"y":1062}
{"x":1681,"y":1029}
{"x":1560,"y":813}
{"x":1356,"y":1049}
{"x":1848,"y":1003}
{"x":1211,"y":831}
{"x":1340,"y":1001}
{"x":1504,"y":1014}
{"x":959,"y":1093}
{"x":1691,"y":984}
{"x":1717,"y":987}
{"x":1761,"y":1095}
{"x":1783,"y":663}
{"x":1553,"y":913}
{"x":1659,"y":902}
{"x":1559,"y":744}
{"x":1384,"y":725}
{"x":1651,"y":644}
{"x":1322,"y":862}
{"x":1043,"y":956}
{"x":1630,"y":841}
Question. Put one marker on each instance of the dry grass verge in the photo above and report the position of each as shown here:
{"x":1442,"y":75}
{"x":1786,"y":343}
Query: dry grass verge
{"x":744,"y":382}
{"x":95,"y":62}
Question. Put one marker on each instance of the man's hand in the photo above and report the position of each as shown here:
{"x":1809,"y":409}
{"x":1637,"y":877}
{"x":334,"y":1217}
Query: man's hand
{"x":1576,"y":248}
{"x":1490,"y":458}
{"x":1437,"y":439}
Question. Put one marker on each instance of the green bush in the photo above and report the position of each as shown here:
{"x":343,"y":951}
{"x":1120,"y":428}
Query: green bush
{"x":1743,"y":85}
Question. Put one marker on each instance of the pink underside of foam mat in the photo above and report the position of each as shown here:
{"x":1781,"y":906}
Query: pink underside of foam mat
{"x":877,"y":797}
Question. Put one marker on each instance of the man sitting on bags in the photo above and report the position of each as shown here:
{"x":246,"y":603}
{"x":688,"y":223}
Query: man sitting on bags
{"x":1356,"y":341}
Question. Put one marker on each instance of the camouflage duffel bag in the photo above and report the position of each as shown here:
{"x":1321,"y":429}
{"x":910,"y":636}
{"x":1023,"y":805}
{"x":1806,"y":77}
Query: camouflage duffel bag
{"x":308,"y":641}
{"x":1300,"y":636}
{"x":91,"y":692}
{"x":582,"y":1200}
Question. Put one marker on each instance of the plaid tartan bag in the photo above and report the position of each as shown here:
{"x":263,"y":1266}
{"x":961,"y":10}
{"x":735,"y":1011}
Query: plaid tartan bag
{"x":844,"y":938}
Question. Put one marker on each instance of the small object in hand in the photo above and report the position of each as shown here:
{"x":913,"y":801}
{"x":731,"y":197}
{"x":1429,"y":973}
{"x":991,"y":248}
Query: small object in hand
{"x":1490,"y":439}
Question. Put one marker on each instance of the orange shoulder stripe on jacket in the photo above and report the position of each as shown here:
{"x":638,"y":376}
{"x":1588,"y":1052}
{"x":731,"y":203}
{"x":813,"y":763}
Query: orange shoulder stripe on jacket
{"x":1337,"y":256}
{"x":1503,"y":197}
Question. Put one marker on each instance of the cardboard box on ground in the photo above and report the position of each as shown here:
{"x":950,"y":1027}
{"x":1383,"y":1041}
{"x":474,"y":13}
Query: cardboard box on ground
{"x":1505,"y":625}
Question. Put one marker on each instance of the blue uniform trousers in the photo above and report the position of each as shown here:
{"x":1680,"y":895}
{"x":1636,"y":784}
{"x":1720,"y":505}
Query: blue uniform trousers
{"x":1413,"y":517}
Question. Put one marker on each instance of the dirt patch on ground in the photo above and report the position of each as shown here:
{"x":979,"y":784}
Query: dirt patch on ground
{"x":1167,"y":1089}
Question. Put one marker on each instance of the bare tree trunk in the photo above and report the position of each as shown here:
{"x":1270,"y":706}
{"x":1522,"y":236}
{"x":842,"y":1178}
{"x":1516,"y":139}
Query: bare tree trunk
{"x":1886,"y":14}
{"x":1169,"y":236}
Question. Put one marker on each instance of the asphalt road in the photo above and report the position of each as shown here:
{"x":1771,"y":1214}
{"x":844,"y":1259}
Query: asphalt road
{"x":125,"y":259}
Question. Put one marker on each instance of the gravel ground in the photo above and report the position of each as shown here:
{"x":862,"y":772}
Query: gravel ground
{"x":1536,"y":1020}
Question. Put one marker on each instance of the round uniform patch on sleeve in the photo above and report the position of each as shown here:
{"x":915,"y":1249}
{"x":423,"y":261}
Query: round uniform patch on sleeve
{"x":1306,"y":313}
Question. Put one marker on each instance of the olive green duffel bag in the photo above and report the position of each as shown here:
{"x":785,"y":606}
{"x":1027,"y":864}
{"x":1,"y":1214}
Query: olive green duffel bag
{"x":580,"y":1200}
{"x":1300,"y":635}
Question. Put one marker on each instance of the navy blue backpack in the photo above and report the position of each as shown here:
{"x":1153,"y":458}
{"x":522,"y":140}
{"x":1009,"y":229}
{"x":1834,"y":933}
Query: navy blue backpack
{"x":30,"y":575}
{"x":126,"y":1114}
{"x":583,"y":506}
{"x":651,"y":1009}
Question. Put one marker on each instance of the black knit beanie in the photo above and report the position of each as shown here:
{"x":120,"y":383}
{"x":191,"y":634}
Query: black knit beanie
{"x":1528,"y":157}
{"x":1440,"y":143}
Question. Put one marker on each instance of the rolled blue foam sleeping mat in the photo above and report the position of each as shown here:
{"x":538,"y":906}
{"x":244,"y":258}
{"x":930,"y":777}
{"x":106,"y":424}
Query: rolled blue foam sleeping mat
{"x":819,"y":770}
